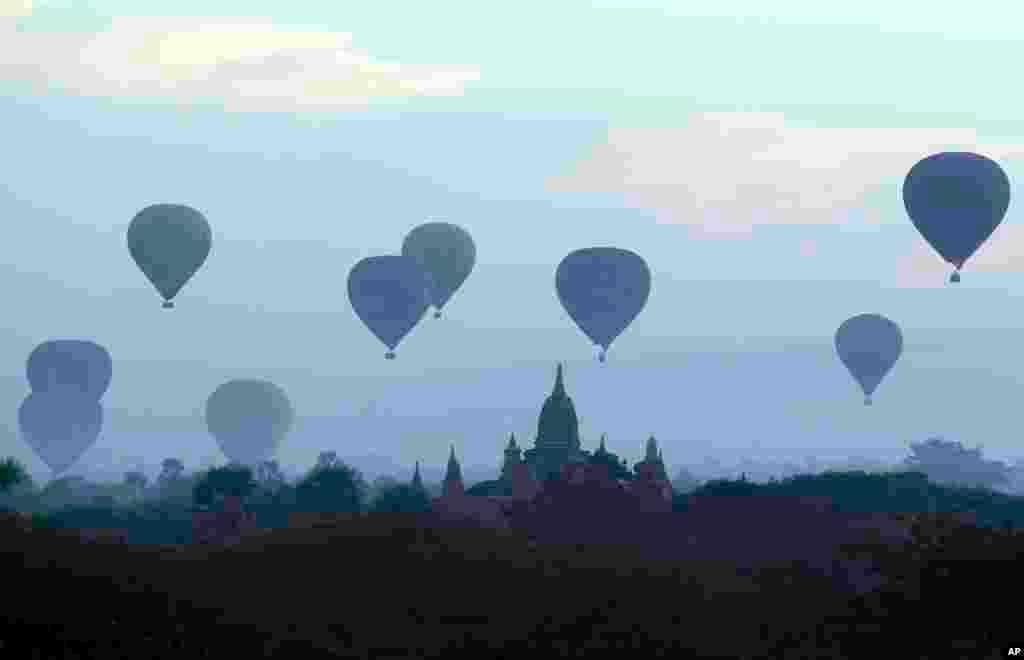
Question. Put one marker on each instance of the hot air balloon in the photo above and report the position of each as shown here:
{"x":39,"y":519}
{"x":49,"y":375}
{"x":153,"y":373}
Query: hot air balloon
{"x":603,"y":289}
{"x":956,"y":200}
{"x":445,"y":252}
{"x":249,"y":418}
{"x":75,"y":363}
{"x":60,"y":425}
{"x":169,"y":243}
{"x":389,"y":294}
{"x":869,"y":345}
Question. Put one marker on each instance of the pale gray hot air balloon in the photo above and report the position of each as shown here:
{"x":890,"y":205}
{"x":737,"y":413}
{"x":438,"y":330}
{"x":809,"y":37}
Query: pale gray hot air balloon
{"x":79,"y":364}
{"x":169,"y":243}
{"x":249,"y":419}
{"x":59,"y":425}
{"x":603,"y":289}
{"x":389,"y":294}
{"x":869,"y":345}
{"x":956,"y":200}
{"x":444,"y":251}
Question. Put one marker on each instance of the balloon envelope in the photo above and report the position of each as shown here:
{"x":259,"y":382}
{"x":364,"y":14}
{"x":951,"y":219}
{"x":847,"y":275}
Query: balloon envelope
{"x":869,"y":345}
{"x":60,"y":425}
{"x":169,"y":243}
{"x":445,"y":252}
{"x":389,"y":294}
{"x":248,"y":418}
{"x":70,"y":363}
{"x":603,"y":289}
{"x":956,"y":200}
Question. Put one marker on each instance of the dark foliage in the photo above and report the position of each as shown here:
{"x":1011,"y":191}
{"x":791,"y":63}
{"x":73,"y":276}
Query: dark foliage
{"x":858,"y":491}
{"x":580,"y":572}
{"x":12,"y":473}
{"x":227,"y":481}
{"x":331,"y":486}
{"x":162,"y":602}
{"x":401,"y":498}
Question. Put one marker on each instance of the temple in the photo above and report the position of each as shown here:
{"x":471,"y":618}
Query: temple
{"x":558,"y":435}
{"x":555,"y":457}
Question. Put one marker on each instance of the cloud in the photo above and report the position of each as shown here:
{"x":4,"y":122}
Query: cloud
{"x":15,"y":8}
{"x":247,"y":65}
{"x":923,"y":268}
{"x":722,"y":174}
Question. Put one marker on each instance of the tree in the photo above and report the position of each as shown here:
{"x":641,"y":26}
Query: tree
{"x":401,"y":498}
{"x":685,"y":482}
{"x":384,"y":482}
{"x":170,"y":470}
{"x":327,"y":459}
{"x":12,"y":473}
{"x":332,"y":487}
{"x":135,"y":483}
{"x":104,"y":501}
{"x":269,"y":475}
{"x":218,"y":483}
{"x":951,"y":463}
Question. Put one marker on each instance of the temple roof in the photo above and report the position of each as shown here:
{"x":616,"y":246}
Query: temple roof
{"x":557,"y":426}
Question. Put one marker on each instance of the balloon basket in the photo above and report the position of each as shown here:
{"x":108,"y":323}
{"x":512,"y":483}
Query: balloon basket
{"x":601,"y":357}
{"x":437,"y":315}
{"x":955,"y":277}
{"x":167,"y":305}
{"x":867,"y":401}
{"x":389,"y":356}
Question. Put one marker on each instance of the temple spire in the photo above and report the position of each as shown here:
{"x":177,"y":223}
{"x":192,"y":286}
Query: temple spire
{"x":454,"y":472}
{"x":453,"y":486}
{"x":417,"y":480}
{"x":513,"y":456}
{"x":559,"y":390}
{"x":602,"y":448}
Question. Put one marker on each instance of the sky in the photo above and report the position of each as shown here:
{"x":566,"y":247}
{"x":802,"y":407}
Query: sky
{"x":753,"y":158}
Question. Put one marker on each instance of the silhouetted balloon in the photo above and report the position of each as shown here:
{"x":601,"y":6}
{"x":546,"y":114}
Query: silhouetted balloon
{"x":389,"y":294}
{"x":70,"y":363}
{"x":956,"y":200}
{"x":249,"y":418}
{"x":445,"y":252}
{"x":603,"y":289}
{"x":169,"y":242}
{"x":869,"y":345}
{"x":60,"y":425}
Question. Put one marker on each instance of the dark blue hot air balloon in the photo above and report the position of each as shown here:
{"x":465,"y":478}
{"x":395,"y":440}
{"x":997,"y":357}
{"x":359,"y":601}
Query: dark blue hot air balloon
{"x":249,"y":419}
{"x":444,"y":251}
{"x":79,"y":364}
{"x":60,"y":425}
{"x":169,"y":243}
{"x":603,"y":289}
{"x":956,"y":200}
{"x":389,"y":294}
{"x":869,"y":345}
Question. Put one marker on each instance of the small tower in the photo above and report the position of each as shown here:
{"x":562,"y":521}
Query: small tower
{"x":651,"y":453}
{"x":513,"y":456}
{"x":662,"y":472}
{"x":417,"y":480}
{"x":453,"y":485}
